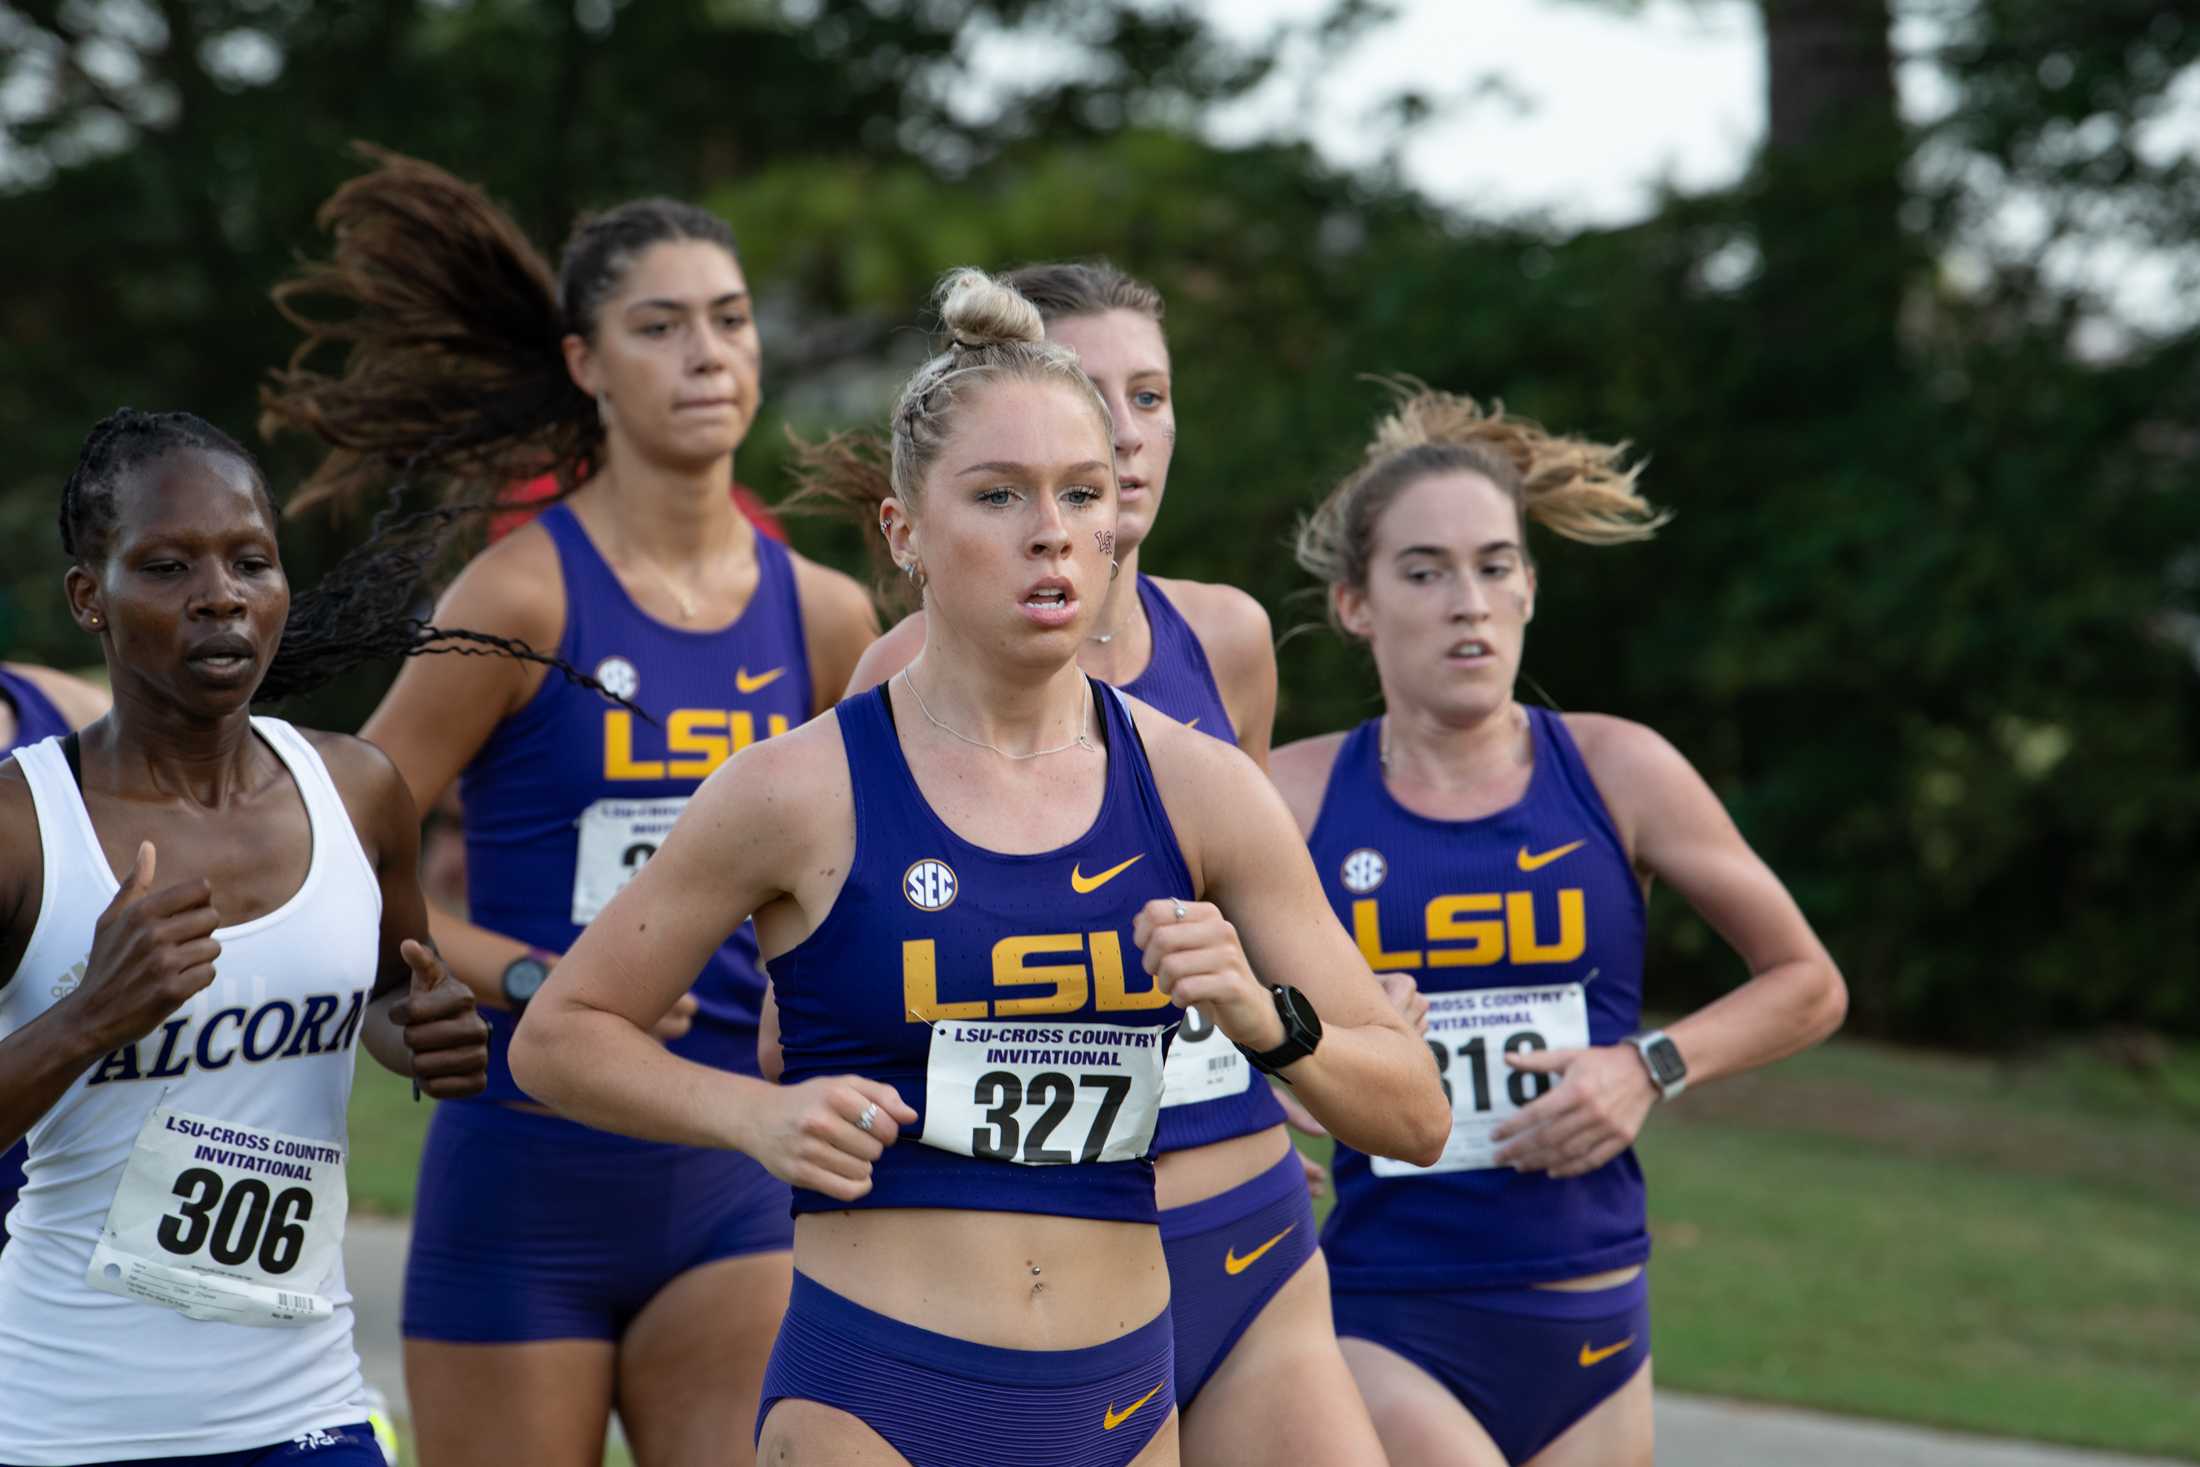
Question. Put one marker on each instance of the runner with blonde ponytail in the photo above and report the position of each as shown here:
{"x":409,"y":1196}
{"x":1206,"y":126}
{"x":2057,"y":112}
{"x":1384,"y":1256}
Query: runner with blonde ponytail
{"x":972,"y":1035}
{"x":1493,"y":1306}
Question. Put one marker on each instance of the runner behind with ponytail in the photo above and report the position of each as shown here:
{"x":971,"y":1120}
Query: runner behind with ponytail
{"x":1493,"y":1306}
{"x":555,"y":1270}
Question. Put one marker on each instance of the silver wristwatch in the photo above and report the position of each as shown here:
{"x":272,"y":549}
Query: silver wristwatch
{"x":1662,"y":1058}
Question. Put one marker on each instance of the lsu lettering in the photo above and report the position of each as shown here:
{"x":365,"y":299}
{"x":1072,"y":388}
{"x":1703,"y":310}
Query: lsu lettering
{"x":697,"y":741}
{"x":1480,"y":929}
{"x":1069,"y":985}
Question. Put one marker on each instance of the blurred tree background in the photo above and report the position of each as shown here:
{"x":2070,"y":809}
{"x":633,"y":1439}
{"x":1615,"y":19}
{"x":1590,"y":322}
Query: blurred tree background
{"x":1929,"y":618}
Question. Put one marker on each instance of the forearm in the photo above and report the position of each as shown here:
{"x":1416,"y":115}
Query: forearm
{"x":599,"y":1069}
{"x":381,"y":1036}
{"x":1375,"y":1088}
{"x":477,"y":956}
{"x":1781,"y":1011}
{"x":38,"y":1064}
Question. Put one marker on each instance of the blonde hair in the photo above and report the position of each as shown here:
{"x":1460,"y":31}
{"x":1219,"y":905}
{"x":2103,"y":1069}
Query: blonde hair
{"x":993,"y":334}
{"x":1584,"y":491}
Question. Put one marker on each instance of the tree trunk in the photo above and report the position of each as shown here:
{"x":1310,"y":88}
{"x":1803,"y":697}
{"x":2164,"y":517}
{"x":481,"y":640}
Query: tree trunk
{"x":1830,"y":195}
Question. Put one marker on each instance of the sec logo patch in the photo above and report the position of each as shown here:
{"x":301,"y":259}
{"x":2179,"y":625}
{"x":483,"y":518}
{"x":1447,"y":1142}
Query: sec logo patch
{"x":1364,"y":870}
{"x":929,"y":885}
{"x":619,"y":677}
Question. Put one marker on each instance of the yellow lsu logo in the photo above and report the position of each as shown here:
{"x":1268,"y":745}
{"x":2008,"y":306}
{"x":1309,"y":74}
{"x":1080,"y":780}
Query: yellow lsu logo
{"x":1480,"y":928}
{"x":706,"y":737}
{"x":1068,"y":985}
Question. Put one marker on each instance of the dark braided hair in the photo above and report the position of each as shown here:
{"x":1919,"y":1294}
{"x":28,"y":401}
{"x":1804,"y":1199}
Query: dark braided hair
{"x":455,"y":327}
{"x":363,"y":610}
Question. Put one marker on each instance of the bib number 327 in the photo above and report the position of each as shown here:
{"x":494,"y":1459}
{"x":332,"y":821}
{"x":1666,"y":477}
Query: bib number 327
{"x":1042,"y":1094}
{"x":227,"y":1222}
{"x":1471,"y":1032}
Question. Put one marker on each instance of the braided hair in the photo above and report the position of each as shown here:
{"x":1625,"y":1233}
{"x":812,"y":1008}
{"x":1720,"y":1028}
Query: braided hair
{"x":363,"y":610}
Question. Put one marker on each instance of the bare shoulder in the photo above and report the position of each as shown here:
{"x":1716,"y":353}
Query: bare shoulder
{"x":1207,"y":786}
{"x":77,"y":699}
{"x":514,"y":588}
{"x":22,"y":865}
{"x":1620,"y":750}
{"x":373,"y":792}
{"x":1231,"y":625}
{"x":831,"y":595}
{"x":1638,"y":772}
{"x":1301,"y":772}
{"x":780,"y":789}
{"x":359,"y":768}
{"x":889,"y":654}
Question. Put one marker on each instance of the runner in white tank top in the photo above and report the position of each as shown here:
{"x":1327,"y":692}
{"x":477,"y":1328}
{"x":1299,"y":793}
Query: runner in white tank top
{"x":180,"y":1051}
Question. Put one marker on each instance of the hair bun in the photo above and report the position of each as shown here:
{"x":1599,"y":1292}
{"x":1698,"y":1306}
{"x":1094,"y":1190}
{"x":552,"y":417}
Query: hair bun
{"x":979,"y":311}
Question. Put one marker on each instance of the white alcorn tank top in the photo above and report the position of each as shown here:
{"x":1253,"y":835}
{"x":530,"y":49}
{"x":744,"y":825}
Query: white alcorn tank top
{"x":175,"y":1283}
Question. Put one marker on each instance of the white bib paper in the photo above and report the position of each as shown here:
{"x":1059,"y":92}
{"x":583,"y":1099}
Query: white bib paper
{"x":1203,"y":1064}
{"x":1471,"y":1033}
{"x":617,"y":837}
{"x":1042,"y":1094}
{"x":224,"y":1222}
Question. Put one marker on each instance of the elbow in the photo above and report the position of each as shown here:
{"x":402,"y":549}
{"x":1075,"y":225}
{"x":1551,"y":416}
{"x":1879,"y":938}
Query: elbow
{"x":1832,"y":1009}
{"x":1426,"y":1115}
{"x":533,"y":1058}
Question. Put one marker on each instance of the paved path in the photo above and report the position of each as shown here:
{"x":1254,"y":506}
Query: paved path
{"x":1693,"y":1431}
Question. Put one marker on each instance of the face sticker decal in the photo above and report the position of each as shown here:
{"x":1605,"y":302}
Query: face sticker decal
{"x":1105,"y":539}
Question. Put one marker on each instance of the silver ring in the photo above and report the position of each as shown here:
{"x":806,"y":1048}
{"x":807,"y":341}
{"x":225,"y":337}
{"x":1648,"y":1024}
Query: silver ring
{"x":1180,"y":911}
{"x":863,"y":1122}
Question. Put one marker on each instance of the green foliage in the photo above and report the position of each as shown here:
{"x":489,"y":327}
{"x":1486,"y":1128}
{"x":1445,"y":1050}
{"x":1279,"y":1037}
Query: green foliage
{"x":1918,"y":619}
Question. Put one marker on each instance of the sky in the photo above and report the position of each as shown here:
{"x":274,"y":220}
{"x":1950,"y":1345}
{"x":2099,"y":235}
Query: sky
{"x":1595,"y":108}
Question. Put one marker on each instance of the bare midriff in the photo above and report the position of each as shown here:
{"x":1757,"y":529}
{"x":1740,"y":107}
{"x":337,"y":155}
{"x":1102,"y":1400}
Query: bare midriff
{"x":1015,"y":1280}
{"x":1183,"y":1177}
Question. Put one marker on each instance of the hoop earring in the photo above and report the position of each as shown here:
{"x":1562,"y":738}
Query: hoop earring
{"x":915,"y":571}
{"x":1115,"y":568}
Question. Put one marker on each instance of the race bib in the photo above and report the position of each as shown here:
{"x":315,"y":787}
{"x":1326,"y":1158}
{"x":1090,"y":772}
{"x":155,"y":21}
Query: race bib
{"x":617,"y":837}
{"x":1203,"y":1064}
{"x":224,"y":1222}
{"x":1042,"y":1094}
{"x":1471,"y":1033}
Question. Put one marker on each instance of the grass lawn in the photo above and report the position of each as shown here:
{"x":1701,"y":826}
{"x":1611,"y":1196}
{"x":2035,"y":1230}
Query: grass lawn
{"x":2001,"y":1247}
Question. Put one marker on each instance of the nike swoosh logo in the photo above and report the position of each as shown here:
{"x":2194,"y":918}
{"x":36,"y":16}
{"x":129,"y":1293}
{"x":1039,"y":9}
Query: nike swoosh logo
{"x":1537,"y":863}
{"x":744,"y":683}
{"x":1193,"y":724}
{"x":1116,"y":1418}
{"x":1591,"y":1357}
{"x":1234,"y":1265}
{"x":1080,"y":883}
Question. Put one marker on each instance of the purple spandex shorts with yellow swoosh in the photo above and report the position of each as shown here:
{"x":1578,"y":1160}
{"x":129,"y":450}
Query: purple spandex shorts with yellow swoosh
{"x":1527,"y":1363}
{"x":944,"y":1402}
{"x":1228,"y":1255}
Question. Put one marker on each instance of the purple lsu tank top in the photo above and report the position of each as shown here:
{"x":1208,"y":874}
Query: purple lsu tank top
{"x":1213,"y":1093}
{"x":572,"y":794}
{"x":36,"y":719}
{"x":1000,"y":994}
{"x":1525,"y":928}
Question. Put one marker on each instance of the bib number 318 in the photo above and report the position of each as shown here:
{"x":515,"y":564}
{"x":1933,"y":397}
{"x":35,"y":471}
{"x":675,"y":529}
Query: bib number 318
{"x":1471,"y":1032}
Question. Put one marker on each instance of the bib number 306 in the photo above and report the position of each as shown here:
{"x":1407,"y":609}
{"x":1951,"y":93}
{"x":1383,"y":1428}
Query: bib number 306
{"x":224,"y":1221}
{"x":1471,"y":1032}
{"x":1042,"y":1094}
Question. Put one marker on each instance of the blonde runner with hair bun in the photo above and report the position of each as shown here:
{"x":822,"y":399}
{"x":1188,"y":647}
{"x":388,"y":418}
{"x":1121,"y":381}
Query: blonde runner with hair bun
{"x":1246,"y":1281}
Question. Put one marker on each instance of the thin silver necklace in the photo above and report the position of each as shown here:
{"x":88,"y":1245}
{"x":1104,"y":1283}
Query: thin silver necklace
{"x":1083,"y":717}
